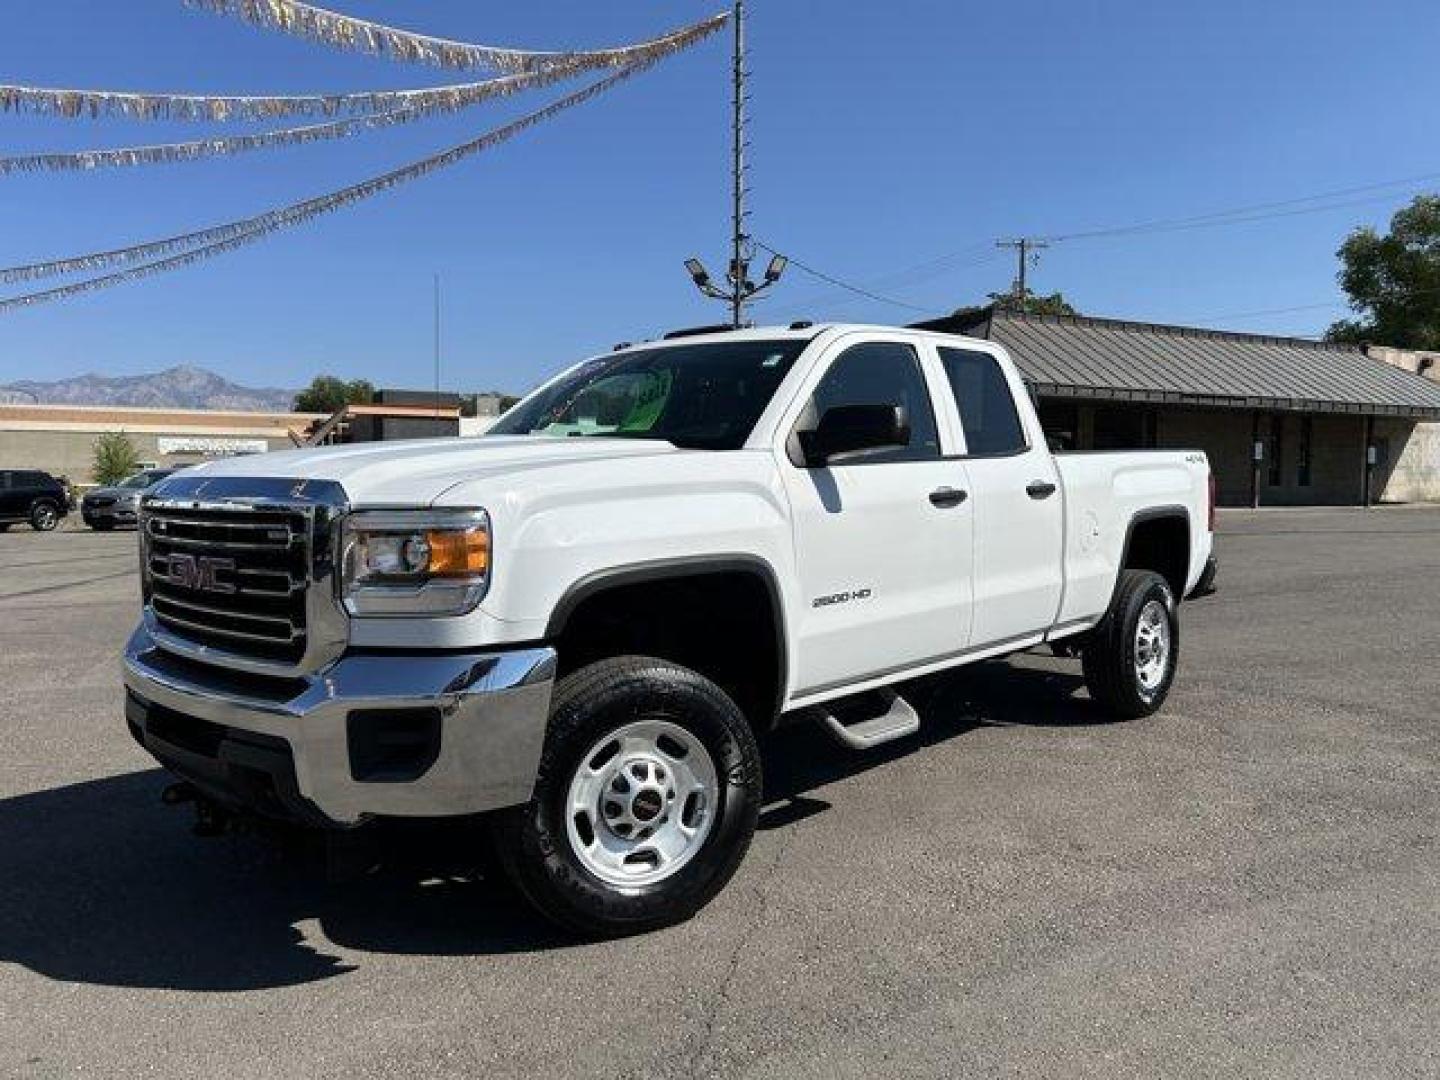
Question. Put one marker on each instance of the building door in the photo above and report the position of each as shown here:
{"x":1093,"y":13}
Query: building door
{"x":1274,"y":440}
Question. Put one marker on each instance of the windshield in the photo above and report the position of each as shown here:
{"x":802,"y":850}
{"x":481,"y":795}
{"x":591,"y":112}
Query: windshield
{"x":705,"y":397}
{"x":143,"y":480}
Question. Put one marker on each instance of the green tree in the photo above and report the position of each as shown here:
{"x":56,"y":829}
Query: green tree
{"x":1054,"y":304}
{"x":115,"y":458}
{"x":1393,"y":281}
{"x":327,"y":394}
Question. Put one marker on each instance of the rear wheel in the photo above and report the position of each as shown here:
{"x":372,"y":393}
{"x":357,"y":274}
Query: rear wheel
{"x":1130,"y":657}
{"x":44,"y":516}
{"x":645,"y":800}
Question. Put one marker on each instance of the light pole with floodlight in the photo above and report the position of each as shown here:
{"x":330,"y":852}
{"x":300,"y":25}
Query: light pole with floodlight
{"x":741,"y":288}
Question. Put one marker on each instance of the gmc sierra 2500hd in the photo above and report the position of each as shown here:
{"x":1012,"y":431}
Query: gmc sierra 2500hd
{"x":578,"y":623}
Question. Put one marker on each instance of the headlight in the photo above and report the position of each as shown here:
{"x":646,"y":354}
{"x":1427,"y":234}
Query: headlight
{"x":415,"y":562}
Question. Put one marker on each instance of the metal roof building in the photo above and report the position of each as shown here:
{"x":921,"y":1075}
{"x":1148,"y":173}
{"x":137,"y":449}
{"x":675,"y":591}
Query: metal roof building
{"x":1285,"y":420}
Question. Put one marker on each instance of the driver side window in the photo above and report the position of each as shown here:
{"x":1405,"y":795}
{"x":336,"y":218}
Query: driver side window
{"x":882,"y":373}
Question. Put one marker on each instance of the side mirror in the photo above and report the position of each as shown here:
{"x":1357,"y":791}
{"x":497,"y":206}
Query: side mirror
{"x":851,"y":429}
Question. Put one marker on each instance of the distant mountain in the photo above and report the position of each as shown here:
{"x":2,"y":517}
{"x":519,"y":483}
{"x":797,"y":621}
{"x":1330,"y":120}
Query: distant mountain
{"x":184,"y":387}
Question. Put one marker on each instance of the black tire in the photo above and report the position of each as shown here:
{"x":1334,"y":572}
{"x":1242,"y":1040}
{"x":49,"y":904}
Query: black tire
{"x":533,"y":841}
{"x":102,"y":526}
{"x":4,"y":526}
{"x":44,"y":516}
{"x":1111,"y":671}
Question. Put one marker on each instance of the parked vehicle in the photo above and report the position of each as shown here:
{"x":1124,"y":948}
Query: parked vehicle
{"x":106,"y":507}
{"x":32,"y":497}
{"x":579,"y":623}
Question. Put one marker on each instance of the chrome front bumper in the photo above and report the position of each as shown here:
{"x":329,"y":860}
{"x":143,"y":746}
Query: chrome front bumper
{"x":219,"y":728}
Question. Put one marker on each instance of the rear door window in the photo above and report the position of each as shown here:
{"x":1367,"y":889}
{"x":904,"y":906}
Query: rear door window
{"x":987,"y":407}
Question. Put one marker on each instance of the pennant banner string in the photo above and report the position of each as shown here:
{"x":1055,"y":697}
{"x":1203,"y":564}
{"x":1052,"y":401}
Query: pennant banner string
{"x":454,"y":99}
{"x":95,"y":104}
{"x":339,"y":31}
{"x":207,"y":243}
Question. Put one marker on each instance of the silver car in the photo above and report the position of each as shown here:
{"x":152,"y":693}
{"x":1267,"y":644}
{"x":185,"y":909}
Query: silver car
{"x":106,"y":507}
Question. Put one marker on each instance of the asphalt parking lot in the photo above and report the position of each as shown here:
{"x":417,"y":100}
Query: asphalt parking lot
{"x":1245,"y":885}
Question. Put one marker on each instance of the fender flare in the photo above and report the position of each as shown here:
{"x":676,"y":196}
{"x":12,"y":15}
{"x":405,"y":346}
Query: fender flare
{"x":1157,"y":513}
{"x":688,"y":566}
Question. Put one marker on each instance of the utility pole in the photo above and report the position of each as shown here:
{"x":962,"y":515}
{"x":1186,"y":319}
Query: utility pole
{"x":1026,"y":247}
{"x":741,"y":252}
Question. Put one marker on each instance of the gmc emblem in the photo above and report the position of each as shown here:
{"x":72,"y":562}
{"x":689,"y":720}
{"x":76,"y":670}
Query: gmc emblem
{"x":200,"y":573}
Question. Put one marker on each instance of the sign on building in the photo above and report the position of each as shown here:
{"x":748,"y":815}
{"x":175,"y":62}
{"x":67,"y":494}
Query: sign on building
{"x":210,"y":447}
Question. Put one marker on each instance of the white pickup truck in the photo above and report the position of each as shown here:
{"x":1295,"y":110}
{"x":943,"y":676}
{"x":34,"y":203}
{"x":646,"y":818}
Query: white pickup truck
{"x":578,"y":624}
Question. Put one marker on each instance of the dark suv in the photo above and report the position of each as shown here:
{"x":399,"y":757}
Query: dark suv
{"x":32,"y":496}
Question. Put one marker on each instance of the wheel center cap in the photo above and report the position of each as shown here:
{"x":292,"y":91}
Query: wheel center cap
{"x":646,"y":805}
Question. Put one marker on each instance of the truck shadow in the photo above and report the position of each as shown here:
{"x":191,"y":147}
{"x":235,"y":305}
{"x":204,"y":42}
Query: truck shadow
{"x":801,"y":758}
{"x":100,"y":883}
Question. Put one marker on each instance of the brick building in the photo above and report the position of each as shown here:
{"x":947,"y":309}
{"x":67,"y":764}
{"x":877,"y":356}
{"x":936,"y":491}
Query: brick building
{"x":1285,"y":421}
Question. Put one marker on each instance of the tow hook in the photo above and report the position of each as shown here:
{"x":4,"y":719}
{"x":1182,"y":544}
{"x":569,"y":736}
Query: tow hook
{"x":179,"y":793}
{"x":211,"y":819}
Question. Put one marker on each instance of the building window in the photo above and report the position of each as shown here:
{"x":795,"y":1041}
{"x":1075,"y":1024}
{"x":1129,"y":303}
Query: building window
{"x":1302,"y":455}
{"x":1123,"y":427}
{"x":1273,"y":441}
{"x":1061,"y":421}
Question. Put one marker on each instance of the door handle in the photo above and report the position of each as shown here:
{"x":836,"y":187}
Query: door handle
{"x":1040,"y":489}
{"x":947,"y":497}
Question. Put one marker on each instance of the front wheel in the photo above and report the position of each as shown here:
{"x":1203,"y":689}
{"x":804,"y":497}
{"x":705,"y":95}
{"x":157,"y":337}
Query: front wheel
{"x":645,"y":801}
{"x":1130,"y":657}
{"x":44,"y":517}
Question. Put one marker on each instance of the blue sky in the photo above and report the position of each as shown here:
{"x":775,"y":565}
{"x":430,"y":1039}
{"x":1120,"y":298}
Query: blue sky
{"x":886,"y":136}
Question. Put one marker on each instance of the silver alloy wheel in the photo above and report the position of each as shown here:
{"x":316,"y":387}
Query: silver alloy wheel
{"x":44,"y":518}
{"x":641,"y":803}
{"x":1152,"y":646}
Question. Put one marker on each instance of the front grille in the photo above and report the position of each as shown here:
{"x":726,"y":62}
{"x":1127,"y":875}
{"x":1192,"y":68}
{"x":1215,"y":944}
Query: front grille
{"x":98,"y":501}
{"x":231,"y":579}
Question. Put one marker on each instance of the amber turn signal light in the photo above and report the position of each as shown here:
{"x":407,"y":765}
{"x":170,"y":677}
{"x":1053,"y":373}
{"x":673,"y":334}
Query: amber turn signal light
{"x":459,"y":554}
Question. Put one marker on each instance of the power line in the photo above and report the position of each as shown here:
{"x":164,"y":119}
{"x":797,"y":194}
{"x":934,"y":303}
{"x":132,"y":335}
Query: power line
{"x":911,"y":275}
{"x":1331,"y":304}
{"x":1253,"y":212}
{"x":832,"y":280}
{"x":1241,"y":215}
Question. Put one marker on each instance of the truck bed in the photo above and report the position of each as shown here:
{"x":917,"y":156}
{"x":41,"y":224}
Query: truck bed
{"x":1105,"y":493}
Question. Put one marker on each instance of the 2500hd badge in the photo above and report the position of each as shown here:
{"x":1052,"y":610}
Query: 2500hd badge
{"x":842,"y":598}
